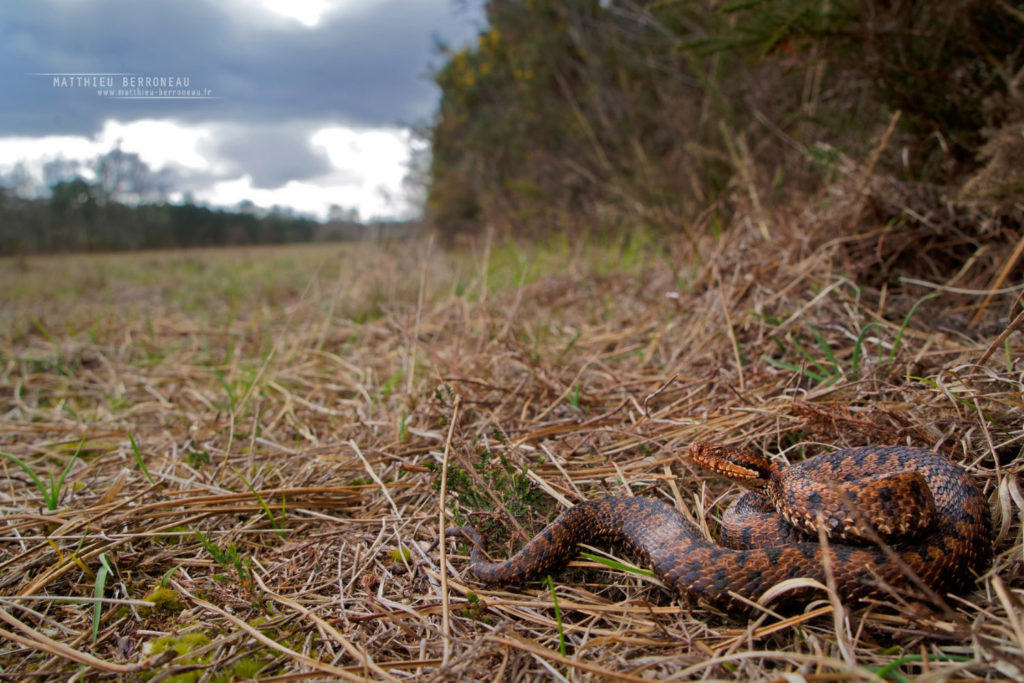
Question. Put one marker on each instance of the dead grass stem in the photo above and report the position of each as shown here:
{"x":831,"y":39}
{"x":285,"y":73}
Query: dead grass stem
{"x":311,"y":419}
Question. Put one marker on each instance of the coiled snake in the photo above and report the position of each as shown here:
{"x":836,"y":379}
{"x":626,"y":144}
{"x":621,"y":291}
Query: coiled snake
{"x":889,"y":513}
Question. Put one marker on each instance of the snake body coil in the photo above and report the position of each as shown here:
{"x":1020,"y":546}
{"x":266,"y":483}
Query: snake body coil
{"x":890,"y":513}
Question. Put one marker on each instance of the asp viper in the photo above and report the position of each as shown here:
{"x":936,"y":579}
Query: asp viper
{"x":889,"y":513}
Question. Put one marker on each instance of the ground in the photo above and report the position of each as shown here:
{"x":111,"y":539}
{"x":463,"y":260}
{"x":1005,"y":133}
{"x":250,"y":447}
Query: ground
{"x":248,"y":452}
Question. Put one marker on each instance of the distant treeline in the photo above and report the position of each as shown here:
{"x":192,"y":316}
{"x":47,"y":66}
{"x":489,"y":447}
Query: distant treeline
{"x":585,"y":113}
{"x":78,"y":216}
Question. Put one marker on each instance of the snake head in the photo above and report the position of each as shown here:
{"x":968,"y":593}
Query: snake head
{"x":745,"y":468}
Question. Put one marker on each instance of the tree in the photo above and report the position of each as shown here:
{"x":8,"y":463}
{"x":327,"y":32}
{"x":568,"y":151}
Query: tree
{"x":20,"y":181}
{"x":342,"y":214}
{"x":124,"y":177}
{"x":73,"y":195}
{"x":61,"y":170}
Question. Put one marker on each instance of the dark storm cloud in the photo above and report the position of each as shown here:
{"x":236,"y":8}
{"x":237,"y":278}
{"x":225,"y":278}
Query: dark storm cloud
{"x":272,"y":154}
{"x":364,"y":67}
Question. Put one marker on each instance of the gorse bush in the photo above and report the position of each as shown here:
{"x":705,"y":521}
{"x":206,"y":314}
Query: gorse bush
{"x":589,"y":113}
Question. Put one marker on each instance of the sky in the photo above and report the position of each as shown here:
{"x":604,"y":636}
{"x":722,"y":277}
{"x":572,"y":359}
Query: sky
{"x":302,"y":104}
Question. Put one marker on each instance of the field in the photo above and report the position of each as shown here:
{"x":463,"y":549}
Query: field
{"x":246,"y":453}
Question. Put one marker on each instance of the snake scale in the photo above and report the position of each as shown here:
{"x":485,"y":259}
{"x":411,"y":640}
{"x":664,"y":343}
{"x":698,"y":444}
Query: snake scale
{"x":889,"y":513}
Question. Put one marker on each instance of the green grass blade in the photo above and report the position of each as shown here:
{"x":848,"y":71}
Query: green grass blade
{"x":858,"y":347}
{"x":28,"y":470}
{"x":403,"y":427}
{"x":78,"y":548}
{"x":558,"y":615}
{"x":826,"y":373}
{"x":55,"y":488}
{"x":138,"y":458}
{"x":263,"y":504}
{"x":906,"y":321}
{"x":52,"y":496}
{"x":619,"y":566}
{"x":568,"y":347}
{"x":41,"y":329}
{"x":227,"y":390}
{"x":794,"y":368}
{"x":889,"y":670}
{"x":165,"y":578}
{"x":97,"y":592}
{"x":823,"y":345}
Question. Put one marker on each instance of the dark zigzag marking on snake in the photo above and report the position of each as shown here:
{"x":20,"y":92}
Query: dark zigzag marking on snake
{"x":946,"y":557}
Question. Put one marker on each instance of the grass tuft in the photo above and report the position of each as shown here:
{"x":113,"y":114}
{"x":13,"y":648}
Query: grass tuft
{"x":50,"y":493}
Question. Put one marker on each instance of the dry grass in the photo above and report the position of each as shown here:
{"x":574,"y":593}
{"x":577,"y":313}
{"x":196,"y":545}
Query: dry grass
{"x":299,"y":411}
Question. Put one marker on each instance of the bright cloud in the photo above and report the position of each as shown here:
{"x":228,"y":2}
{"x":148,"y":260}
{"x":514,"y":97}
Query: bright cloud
{"x":368,"y":166}
{"x":378,"y":156}
{"x":48,"y":148}
{"x":306,"y":12}
{"x":159,"y":143}
{"x":364,"y":170}
{"x":310,"y":198}
{"x":310,"y":12}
